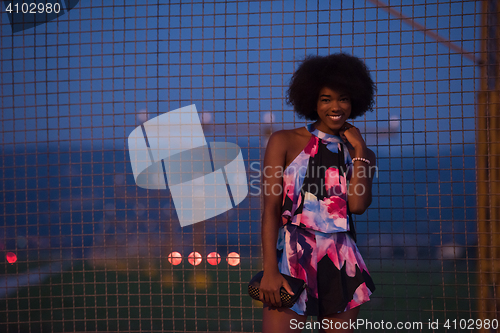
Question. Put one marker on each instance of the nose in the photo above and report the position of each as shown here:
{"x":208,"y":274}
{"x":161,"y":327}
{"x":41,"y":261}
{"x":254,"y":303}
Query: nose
{"x":335,"y":105}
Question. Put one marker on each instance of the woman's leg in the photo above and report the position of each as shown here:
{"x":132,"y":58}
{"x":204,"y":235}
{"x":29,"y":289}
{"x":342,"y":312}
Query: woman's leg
{"x":278,"y":320}
{"x":351,"y":315}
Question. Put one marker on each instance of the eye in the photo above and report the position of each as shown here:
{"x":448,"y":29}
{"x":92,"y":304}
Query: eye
{"x":325,"y":100}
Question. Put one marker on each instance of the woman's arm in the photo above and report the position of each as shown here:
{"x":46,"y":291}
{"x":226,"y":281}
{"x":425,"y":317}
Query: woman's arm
{"x":360,"y":184}
{"x":272,"y":188}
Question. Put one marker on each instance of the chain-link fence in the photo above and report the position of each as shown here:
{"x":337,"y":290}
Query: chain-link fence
{"x":84,"y":248}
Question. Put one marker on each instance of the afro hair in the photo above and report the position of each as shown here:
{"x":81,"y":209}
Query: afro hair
{"x":340,"y":72}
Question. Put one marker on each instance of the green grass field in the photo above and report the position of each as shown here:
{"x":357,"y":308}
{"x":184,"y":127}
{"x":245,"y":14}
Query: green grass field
{"x":159,"y":297}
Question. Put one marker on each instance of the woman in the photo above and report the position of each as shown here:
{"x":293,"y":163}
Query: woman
{"x":307,"y":229}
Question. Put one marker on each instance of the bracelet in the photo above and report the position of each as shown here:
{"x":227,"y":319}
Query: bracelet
{"x":361,"y":159}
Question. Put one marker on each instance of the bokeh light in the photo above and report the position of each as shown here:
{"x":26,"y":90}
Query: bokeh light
{"x":194,"y":258}
{"x":175,"y":258}
{"x":213,"y":258}
{"x":11,"y":257}
{"x":233,"y":259}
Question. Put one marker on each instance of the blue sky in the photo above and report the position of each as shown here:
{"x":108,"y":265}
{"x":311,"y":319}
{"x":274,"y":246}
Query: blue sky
{"x":86,"y":75}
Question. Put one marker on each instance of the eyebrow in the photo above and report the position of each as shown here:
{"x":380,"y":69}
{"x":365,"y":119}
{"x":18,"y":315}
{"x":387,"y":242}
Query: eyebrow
{"x":325,"y":95}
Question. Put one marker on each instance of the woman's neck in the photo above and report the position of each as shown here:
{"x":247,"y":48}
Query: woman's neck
{"x":319,"y":125}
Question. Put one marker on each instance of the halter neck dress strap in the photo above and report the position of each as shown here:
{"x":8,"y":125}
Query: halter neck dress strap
{"x":331,"y":138}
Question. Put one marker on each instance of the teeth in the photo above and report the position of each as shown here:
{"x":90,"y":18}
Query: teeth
{"x":336,"y":116}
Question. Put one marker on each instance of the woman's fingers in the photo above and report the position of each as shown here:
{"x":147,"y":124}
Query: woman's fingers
{"x":270,"y":291}
{"x":265,"y":296}
{"x":346,"y":126}
{"x":351,"y":134}
{"x":271,"y":297}
{"x":277,"y":298}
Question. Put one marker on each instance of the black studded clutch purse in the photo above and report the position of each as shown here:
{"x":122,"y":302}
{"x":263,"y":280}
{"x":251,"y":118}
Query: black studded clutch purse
{"x":287,"y":300}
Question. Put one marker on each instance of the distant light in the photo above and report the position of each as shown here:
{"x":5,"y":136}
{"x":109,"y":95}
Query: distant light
{"x":11,"y":257}
{"x":175,"y":258}
{"x":268,"y":117}
{"x":233,"y":259}
{"x":213,"y":258}
{"x":206,"y":117}
{"x":200,"y":281}
{"x":142,"y":116}
{"x":167,"y":280}
{"x":394,"y":123}
{"x":194,"y":258}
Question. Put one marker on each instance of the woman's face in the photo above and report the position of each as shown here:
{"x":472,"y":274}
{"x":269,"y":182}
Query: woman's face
{"x":333,"y":109}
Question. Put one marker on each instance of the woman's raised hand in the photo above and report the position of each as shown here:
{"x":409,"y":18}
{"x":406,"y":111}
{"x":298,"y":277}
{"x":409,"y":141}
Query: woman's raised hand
{"x":270,"y":287}
{"x":352,"y":135}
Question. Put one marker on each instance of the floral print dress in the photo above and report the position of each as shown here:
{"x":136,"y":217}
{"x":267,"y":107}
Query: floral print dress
{"x":317,"y":240}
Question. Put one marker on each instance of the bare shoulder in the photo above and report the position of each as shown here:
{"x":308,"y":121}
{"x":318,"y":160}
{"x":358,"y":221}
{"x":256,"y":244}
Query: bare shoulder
{"x":278,"y":136}
{"x":287,"y":144}
{"x":277,"y":147}
{"x":286,"y":138}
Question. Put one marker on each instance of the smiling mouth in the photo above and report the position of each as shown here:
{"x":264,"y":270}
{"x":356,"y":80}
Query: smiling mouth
{"x":335,"y":117}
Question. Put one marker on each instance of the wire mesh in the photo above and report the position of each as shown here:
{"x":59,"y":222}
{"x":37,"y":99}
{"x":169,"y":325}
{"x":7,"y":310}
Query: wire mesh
{"x":83,"y":248}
